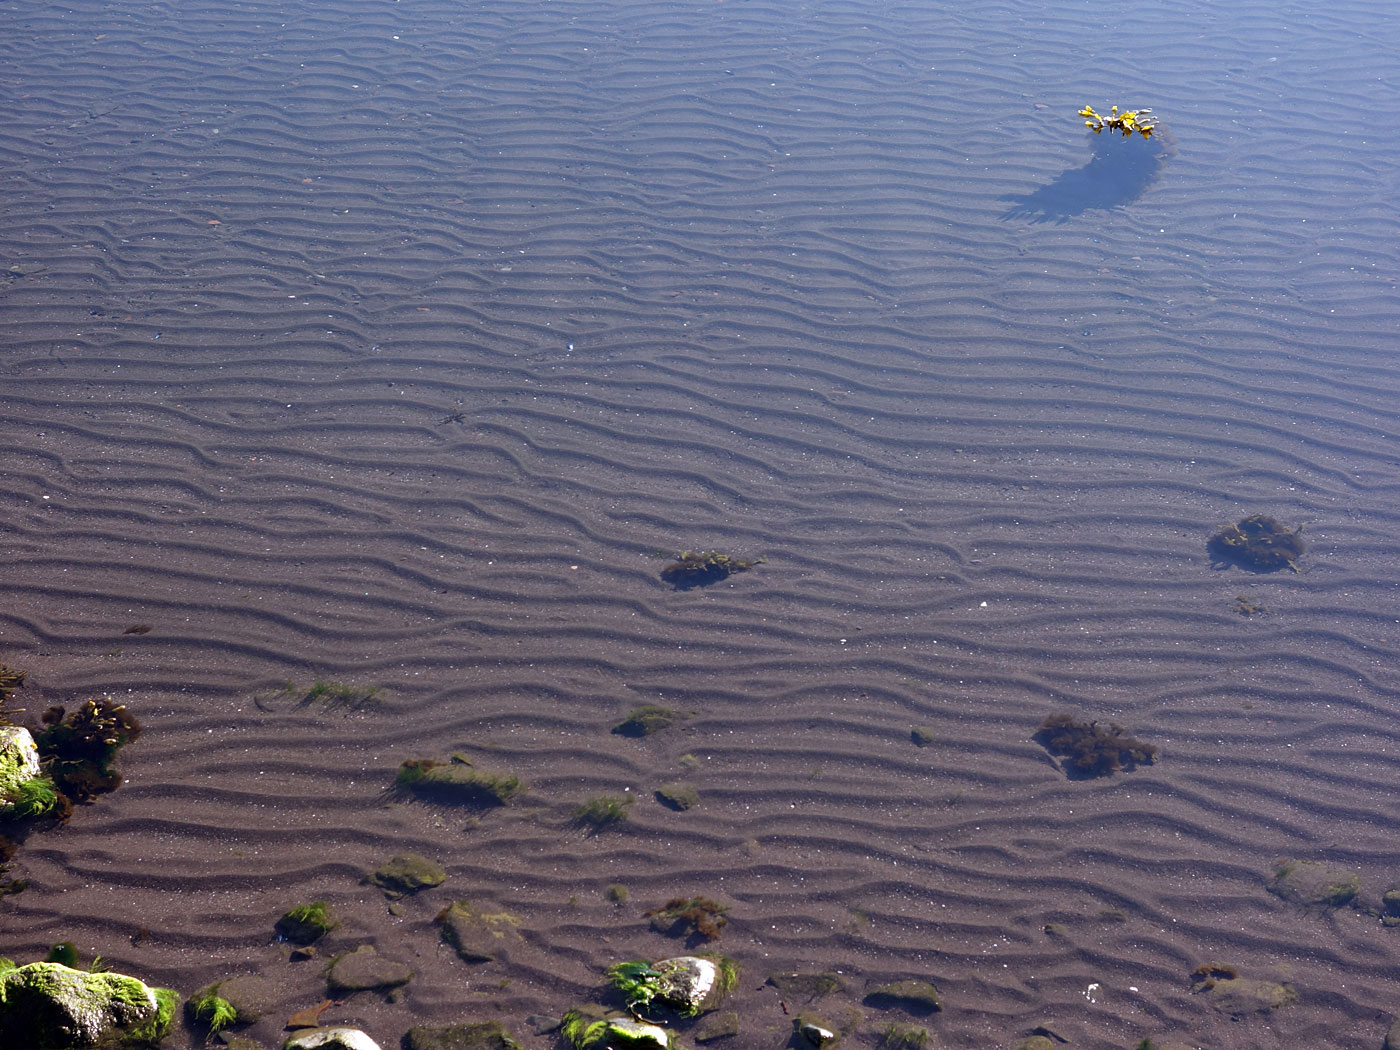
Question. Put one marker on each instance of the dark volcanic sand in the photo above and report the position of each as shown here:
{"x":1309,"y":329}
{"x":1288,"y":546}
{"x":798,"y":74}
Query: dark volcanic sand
{"x":397,"y":344}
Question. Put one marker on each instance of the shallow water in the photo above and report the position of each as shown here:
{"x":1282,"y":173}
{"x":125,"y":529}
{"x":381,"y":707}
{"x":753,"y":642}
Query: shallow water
{"x":402,"y":344}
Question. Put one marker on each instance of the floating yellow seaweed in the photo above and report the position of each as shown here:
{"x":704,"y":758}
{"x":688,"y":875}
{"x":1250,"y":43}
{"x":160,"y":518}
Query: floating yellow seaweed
{"x":1134,"y":120}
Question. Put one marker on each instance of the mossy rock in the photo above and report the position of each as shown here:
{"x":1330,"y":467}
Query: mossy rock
{"x":922,"y":737}
{"x":649,"y":719}
{"x":407,"y":873}
{"x":475,"y":936}
{"x":1036,"y":1042}
{"x":365,"y":970}
{"x":918,"y":997}
{"x":49,"y":1006}
{"x":679,"y":796}
{"x":1314,"y":884}
{"x":306,"y":923}
{"x":490,"y":1035}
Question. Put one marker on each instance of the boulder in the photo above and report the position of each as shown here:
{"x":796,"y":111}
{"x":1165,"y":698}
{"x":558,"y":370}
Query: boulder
{"x":24,"y":790}
{"x":407,"y":873}
{"x":330,"y":1039}
{"x":363,"y":970}
{"x":690,"y":984}
{"x":1314,"y":884}
{"x":48,"y":1005}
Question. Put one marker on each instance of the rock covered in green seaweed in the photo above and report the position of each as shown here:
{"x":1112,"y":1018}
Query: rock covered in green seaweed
{"x":49,"y":1006}
{"x":457,"y":781}
{"x":1314,"y":883}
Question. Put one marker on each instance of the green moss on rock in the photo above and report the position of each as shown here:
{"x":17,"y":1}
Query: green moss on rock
{"x":49,"y":1006}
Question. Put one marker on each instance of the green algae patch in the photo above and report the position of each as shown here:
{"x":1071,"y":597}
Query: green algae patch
{"x":648,"y":719}
{"x":306,"y":923}
{"x":456,"y":781}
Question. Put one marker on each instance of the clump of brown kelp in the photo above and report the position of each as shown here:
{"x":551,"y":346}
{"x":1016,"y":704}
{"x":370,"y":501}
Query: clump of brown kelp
{"x":1258,"y":543}
{"x":702,"y":568}
{"x":1090,"y":749}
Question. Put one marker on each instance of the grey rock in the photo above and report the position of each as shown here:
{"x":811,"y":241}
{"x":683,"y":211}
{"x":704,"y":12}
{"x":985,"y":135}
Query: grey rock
{"x":813,"y":1033}
{"x":477,"y":936}
{"x":330,"y":1039}
{"x":1313,"y":883}
{"x":363,"y":970}
{"x":690,"y":984}
{"x":408,"y":873}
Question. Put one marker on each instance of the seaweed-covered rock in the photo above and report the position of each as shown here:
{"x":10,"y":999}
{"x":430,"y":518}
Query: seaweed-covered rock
{"x":687,"y":984}
{"x":477,"y":936}
{"x":49,"y":1006}
{"x":25,"y":792}
{"x":306,"y":923}
{"x":584,"y":1032}
{"x":407,"y":873}
{"x":813,"y":1032}
{"x":339,"y":1038}
{"x":364,"y":969}
{"x":490,"y":1035}
{"x":918,"y":997}
{"x":1314,"y":884}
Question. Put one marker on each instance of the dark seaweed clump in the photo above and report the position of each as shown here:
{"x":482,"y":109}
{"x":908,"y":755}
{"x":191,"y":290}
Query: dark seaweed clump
{"x":1258,"y":543}
{"x":10,"y":680}
{"x":700,"y":569}
{"x":697,"y":917}
{"x":77,"y":748}
{"x":1089,"y":749}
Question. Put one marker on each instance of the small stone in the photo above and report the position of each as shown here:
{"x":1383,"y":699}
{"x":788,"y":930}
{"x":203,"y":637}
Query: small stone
{"x":363,"y":970}
{"x":917,"y":997}
{"x":648,"y":719}
{"x":921,"y":736}
{"x":717,"y":1026}
{"x":408,"y":873}
{"x":250,"y":996}
{"x":1314,"y":883}
{"x":679,"y":796}
{"x":490,"y":1035}
{"x":330,"y":1039}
